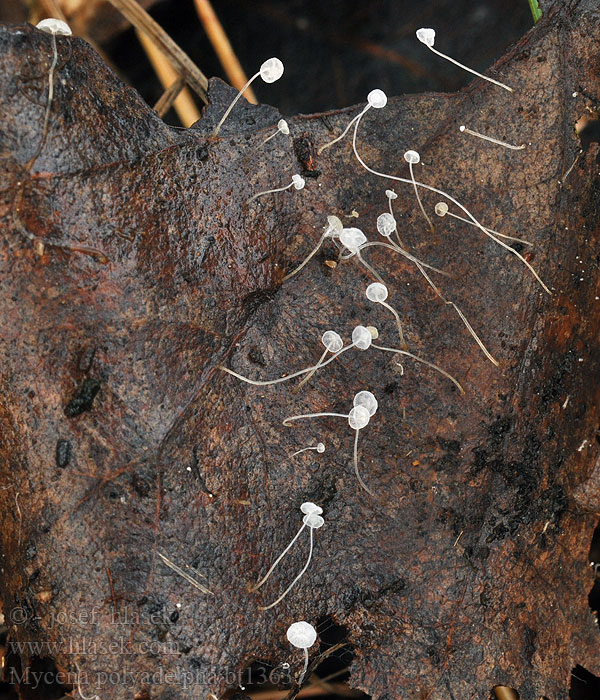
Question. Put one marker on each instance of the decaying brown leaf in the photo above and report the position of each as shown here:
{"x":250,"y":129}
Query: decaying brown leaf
{"x":122,"y":440}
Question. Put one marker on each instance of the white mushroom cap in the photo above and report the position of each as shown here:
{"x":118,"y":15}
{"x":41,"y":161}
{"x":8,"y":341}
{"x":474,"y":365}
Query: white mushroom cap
{"x":426,"y":36}
{"x":359,"y":417}
{"x":377,"y":98}
{"x":301,"y":634}
{"x":368,"y":400}
{"x":412,"y":157}
{"x":362,"y":338}
{"x":377,"y":292}
{"x":271,"y":70}
{"x":298,"y":182}
{"x":313,"y":521}
{"x":352,"y":238}
{"x":54,"y":26}
{"x":310,"y":508}
{"x":386,"y":224}
{"x":282,"y":125}
{"x":332,"y":341}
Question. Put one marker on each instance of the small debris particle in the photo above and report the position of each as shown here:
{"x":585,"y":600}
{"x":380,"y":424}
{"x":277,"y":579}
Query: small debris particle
{"x":63,"y":453}
{"x":83,"y":399}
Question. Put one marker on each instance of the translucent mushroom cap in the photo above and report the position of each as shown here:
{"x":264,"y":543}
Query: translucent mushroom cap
{"x":362,"y":338}
{"x":412,"y":157}
{"x":313,"y":521}
{"x":54,"y":26}
{"x":373,"y":331}
{"x":352,"y":238}
{"x":298,"y":182}
{"x":386,"y":224}
{"x":309,"y":508}
{"x":426,"y":36}
{"x":441,"y":208}
{"x":335,"y":226}
{"x":377,"y":98}
{"x":301,"y":634}
{"x":271,"y":70}
{"x":282,"y":125}
{"x":377,"y":292}
{"x":332,"y":341}
{"x":390,"y":194}
{"x":320,"y":448}
{"x":367,"y":400}
{"x":359,"y":417}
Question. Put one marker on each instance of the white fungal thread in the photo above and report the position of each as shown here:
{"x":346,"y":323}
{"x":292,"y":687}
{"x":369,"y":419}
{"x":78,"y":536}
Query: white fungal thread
{"x":463,"y":129}
{"x":412,"y":158}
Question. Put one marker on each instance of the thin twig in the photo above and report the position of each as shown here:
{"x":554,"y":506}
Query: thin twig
{"x":182,"y":63}
{"x":169,"y":96}
{"x":184,"y":104}
{"x":222,"y":46}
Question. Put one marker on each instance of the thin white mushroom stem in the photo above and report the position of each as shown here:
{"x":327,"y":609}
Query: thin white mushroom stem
{"x":464,"y":130}
{"x":454,"y":201}
{"x":277,"y":189}
{"x":313,"y":252}
{"x":268,"y":382}
{"x":470,"y":70}
{"x":398,"y":321}
{"x":287,"y":421}
{"x":279,"y":558}
{"x":50,"y":84}
{"x":346,"y":130}
{"x":422,"y":361}
{"x":441,"y":209}
{"x":368,"y":267}
{"x":477,"y":339}
{"x":298,"y":577}
{"x":418,"y":196}
{"x":310,"y":374}
{"x":393,"y":246}
{"x":355,"y":458}
{"x":301,"y":678}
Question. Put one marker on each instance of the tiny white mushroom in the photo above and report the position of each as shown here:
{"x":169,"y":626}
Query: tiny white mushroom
{"x":302,"y":635}
{"x":359,"y":415}
{"x":376,"y":98}
{"x":297,"y":183}
{"x":270,"y":71}
{"x":426,"y":36}
{"x":311,"y":519}
{"x":333,"y":229}
{"x":282,"y":128}
{"x":378,"y":293}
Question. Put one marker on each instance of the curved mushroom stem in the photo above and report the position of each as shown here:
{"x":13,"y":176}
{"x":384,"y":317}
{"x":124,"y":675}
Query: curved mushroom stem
{"x":346,"y":130}
{"x":313,"y":252}
{"x":277,"y":189}
{"x":358,"y":476}
{"x":296,"y":389}
{"x":232,"y":105}
{"x":293,"y":583}
{"x":301,"y":679}
{"x":279,"y":558}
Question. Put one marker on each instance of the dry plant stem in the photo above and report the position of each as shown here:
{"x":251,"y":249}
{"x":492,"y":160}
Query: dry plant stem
{"x":165,"y":102}
{"x":425,"y":362}
{"x":279,"y":558}
{"x":293,"y":583}
{"x":358,"y":476}
{"x":185,"y":575}
{"x":184,"y":104}
{"x":412,"y":177}
{"x":451,"y":199}
{"x":222,"y":46}
{"x":182,"y":63}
